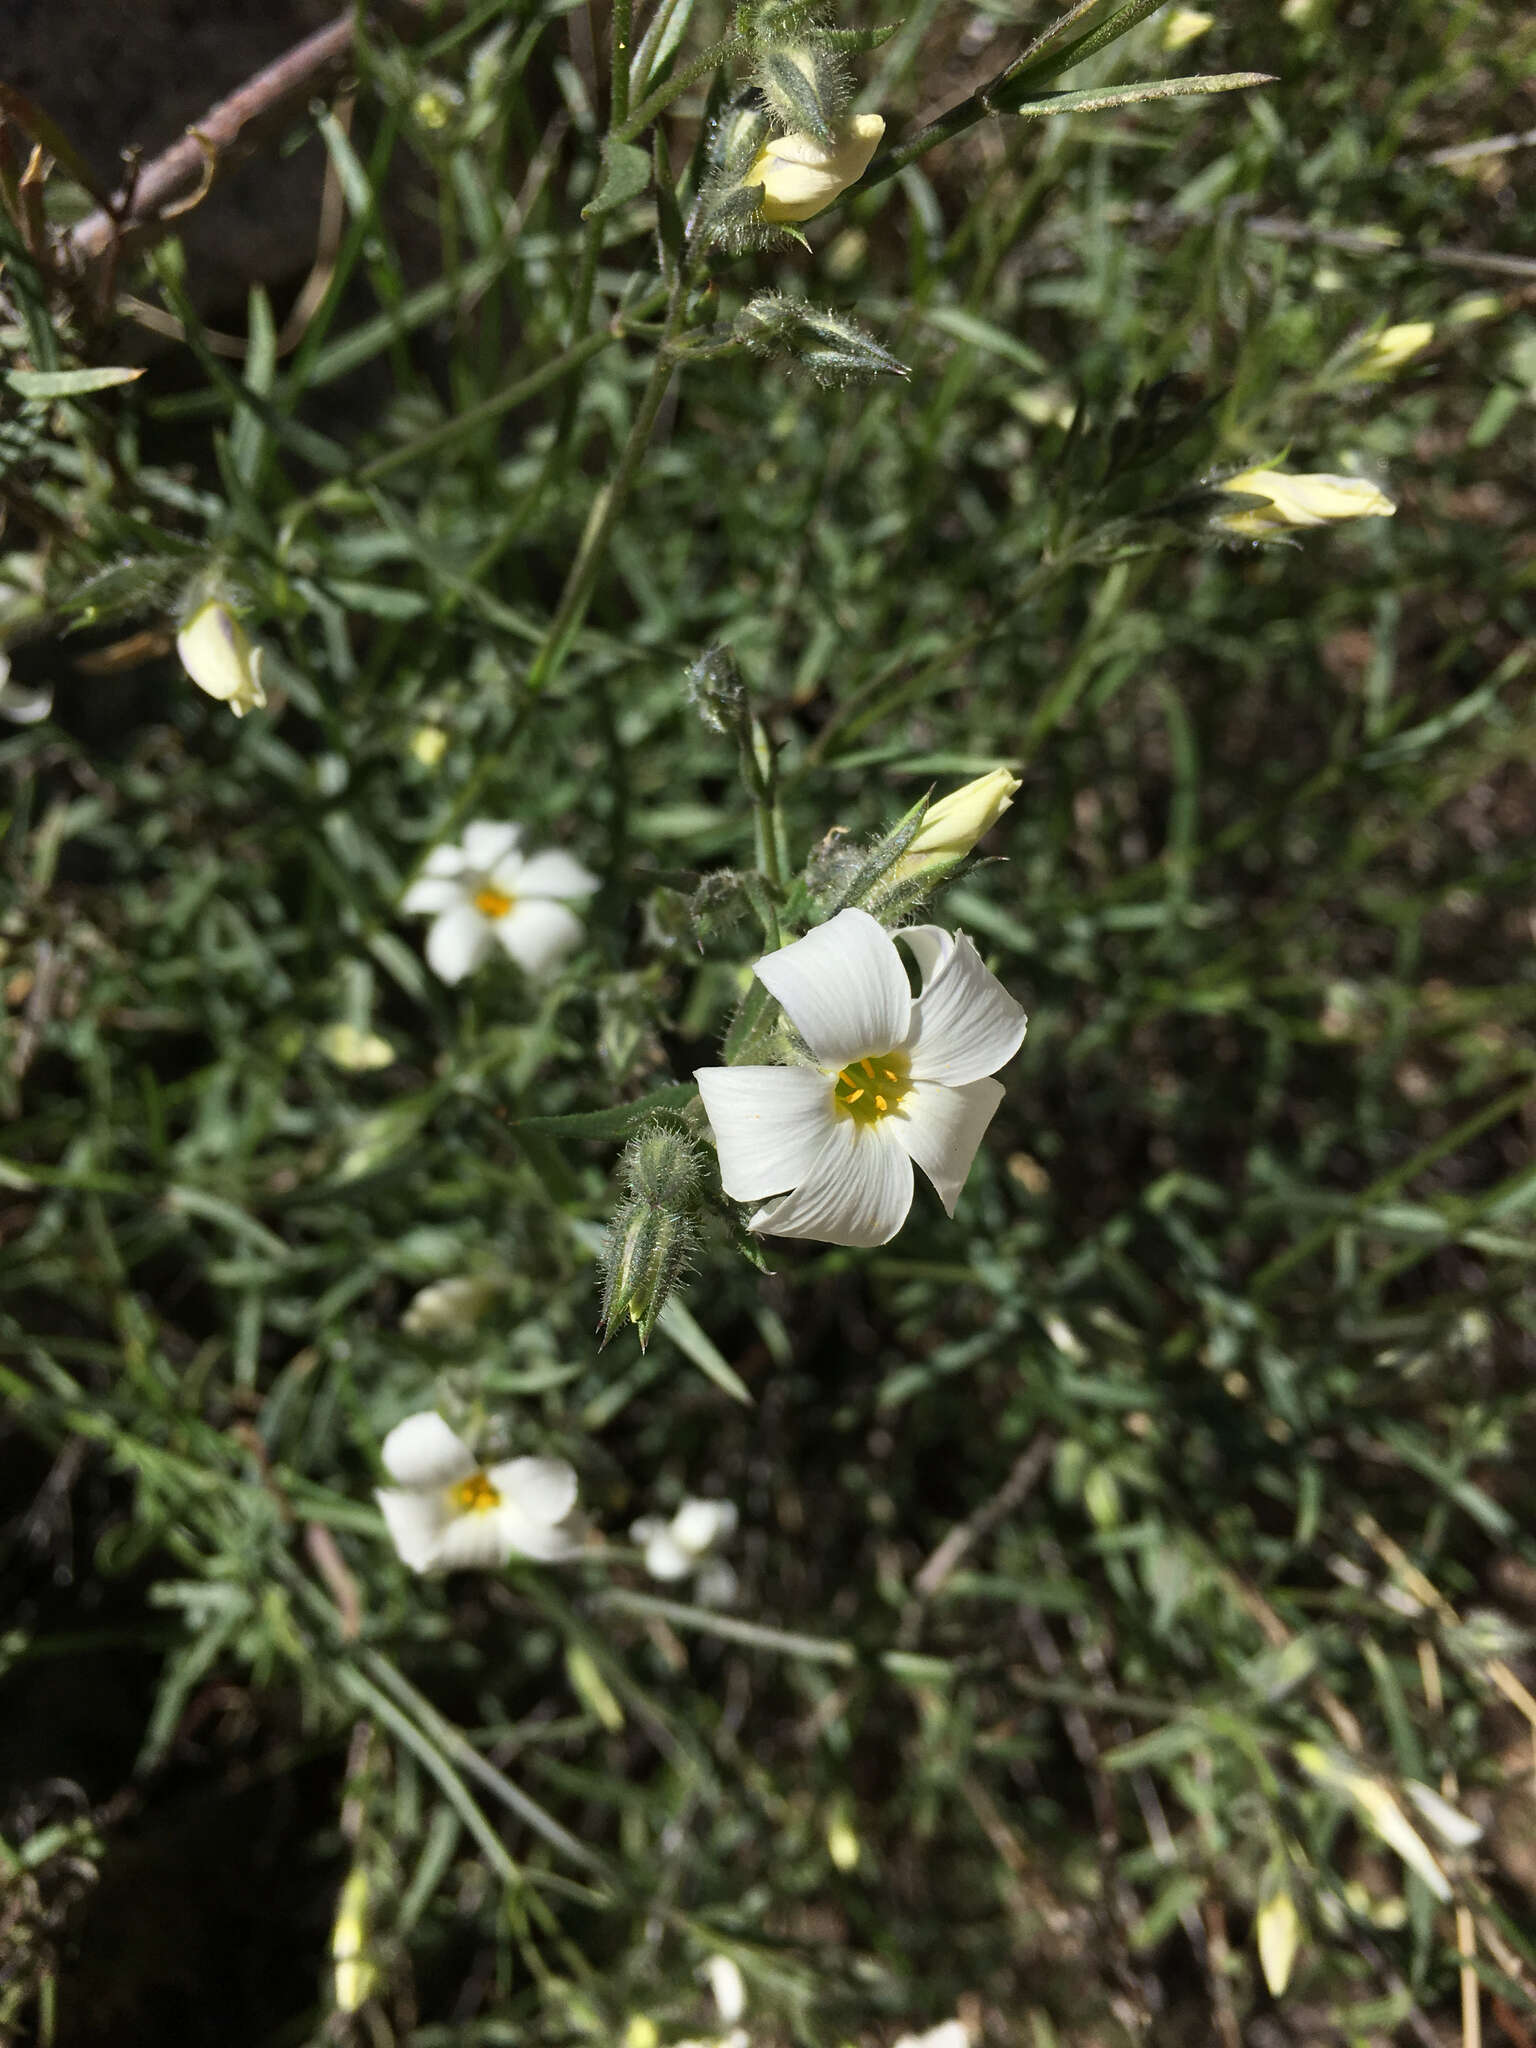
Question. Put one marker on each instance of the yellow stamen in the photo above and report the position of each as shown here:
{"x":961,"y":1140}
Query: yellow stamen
{"x":491,"y":902}
{"x":871,"y":1088}
{"x":476,"y":1495}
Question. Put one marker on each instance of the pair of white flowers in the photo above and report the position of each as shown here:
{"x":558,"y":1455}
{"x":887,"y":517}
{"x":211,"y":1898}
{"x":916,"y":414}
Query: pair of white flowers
{"x":448,"y":1512}
{"x":887,"y":1080}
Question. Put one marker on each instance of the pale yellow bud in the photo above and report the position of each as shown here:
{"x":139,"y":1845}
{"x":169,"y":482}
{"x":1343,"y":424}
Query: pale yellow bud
{"x":1184,"y":26}
{"x":954,"y":824}
{"x":356,"y":1976}
{"x":219,"y":657}
{"x":1393,"y":347}
{"x":429,"y":743}
{"x":800,"y":175}
{"x":1297,"y":501}
{"x":1278,"y":1927}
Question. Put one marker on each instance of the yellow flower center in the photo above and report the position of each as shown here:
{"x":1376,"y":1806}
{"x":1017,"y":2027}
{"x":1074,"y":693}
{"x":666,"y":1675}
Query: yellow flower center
{"x":475,"y":1495}
{"x":872,"y":1088}
{"x":491,"y":902}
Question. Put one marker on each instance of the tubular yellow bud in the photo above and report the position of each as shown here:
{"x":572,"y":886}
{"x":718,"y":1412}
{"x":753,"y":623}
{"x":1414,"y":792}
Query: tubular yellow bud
{"x":1393,"y":347}
{"x":800,"y":175}
{"x":355,"y":1975}
{"x":955,"y":823}
{"x":1297,"y":501}
{"x":219,"y":657}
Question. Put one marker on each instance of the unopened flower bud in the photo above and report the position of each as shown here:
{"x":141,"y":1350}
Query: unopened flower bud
{"x":952,"y":826}
{"x":1290,"y":502}
{"x":355,"y":1976}
{"x":830,"y":345}
{"x":805,"y":86}
{"x":716,"y":689}
{"x":449,"y":1309}
{"x":652,"y":1236}
{"x":219,"y":657}
{"x":800,"y":175}
{"x":1393,"y":347}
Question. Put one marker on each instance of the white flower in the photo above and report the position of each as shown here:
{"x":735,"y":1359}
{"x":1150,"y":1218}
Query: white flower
{"x":895,"y":1079}
{"x":685,"y":1545}
{"x":450,"y":1513}
{"x":218,"y":655}
{"x":952,"y":2034}
{"x":800,"y":175}
{"x":484,"y":892}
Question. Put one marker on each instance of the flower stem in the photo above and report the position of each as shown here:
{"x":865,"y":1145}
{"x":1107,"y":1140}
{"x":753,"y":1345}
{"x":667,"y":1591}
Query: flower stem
{"x":607,"y":505}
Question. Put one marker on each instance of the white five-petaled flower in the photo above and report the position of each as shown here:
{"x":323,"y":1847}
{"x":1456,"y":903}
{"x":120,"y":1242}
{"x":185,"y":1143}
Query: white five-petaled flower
{"x":450,"y":1513}
{"x":896,"y":1078}
{"x":484,"y":892}
{"x":949,"y":2034}
{"x":686,"y":1545}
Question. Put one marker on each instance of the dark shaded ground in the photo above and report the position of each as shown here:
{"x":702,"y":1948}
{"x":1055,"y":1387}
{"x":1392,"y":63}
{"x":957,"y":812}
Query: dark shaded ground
{"x":115,"y":74}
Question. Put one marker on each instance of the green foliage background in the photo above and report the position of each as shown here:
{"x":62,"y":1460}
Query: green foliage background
{"x":1241,"y":1274}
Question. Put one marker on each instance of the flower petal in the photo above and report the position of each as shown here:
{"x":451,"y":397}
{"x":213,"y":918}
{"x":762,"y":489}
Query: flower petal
{"x":485,"y":843}
{"x":431,"y":893}
{"x":770,"y":1124}
{"x":554,"y":874}
{"x":942,"y":1127}
{"x":538,"y":934}
{"x":424,"y":1451}
{"x":699,"y":1525}
{"x":473,"y":1542}
{"x":543,"y":1488}
{"x":843,"y":987}
{"x":857,"y":1192}
{"x":415,"y":1522}
{"x":549,"y":1542}
{"x":964,"y":1024}
{"x":665,"y":1557}
{"x":457,"y":943}
{"x":444,"y":860}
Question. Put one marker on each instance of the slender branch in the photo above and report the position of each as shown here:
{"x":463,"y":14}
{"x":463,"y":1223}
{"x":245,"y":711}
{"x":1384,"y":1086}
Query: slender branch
{"x":229,"y":130}
{"x":608,"y":504}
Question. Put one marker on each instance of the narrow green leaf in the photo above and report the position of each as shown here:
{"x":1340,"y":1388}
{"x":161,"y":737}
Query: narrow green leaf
{"x":1095,"y":99}
{"x":67,"y":383}
{"x":610,"y":1123}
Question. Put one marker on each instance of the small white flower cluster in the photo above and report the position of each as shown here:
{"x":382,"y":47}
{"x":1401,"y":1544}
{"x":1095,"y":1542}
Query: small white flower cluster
{"x":685,"y":1548}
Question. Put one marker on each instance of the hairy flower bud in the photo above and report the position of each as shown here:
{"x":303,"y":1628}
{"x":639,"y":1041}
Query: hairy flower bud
{"x":1286,"y":502}
{"x":830,"y":345}
{"x":219,"y":657}
{"x":716,"y":689}
{"x":805,"y":85}
{"x":652,"y":1236}
{"x":800,"y":175}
